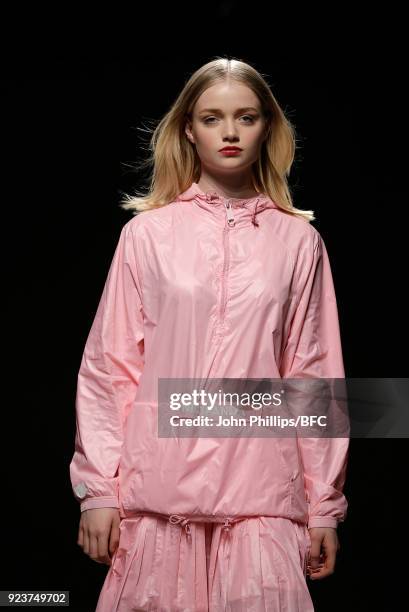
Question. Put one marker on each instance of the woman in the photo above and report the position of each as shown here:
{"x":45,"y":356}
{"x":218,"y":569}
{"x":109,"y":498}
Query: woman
{"x":219,"y":275}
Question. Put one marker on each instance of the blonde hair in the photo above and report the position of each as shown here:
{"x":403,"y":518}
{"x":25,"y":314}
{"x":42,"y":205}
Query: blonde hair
{"x":175,"y":163}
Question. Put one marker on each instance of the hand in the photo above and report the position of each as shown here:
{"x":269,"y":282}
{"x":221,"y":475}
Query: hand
{"x":98,"y":533}
{"x":322,"y":564}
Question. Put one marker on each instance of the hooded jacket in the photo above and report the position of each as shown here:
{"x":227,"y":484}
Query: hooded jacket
{"x":208,"y":286}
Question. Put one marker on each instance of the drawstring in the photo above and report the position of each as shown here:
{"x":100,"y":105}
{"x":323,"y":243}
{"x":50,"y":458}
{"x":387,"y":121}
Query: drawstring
{"x":183,"y":521}
{"x":253,"y":220}
{"x":212,"y":195}
{"x":176,"y":519}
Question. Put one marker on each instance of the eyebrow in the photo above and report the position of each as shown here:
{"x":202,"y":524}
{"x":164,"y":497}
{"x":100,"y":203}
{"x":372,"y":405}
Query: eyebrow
{"x":218,"y":110}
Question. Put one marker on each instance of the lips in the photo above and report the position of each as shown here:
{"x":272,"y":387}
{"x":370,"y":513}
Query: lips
{"x":231,"y":149}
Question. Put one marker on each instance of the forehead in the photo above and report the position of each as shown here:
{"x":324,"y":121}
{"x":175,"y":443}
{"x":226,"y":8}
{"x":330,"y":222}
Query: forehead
{"x":227,"y":97}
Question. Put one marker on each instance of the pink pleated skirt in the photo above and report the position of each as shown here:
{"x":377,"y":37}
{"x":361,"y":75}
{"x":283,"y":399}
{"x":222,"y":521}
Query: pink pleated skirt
{"x":258,"y":565}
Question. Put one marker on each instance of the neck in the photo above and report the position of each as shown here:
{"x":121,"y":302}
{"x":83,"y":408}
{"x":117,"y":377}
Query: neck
{"x":227,"y":189}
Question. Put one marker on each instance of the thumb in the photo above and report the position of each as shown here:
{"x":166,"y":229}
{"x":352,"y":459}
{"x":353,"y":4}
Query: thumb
{"x":315,"y":552}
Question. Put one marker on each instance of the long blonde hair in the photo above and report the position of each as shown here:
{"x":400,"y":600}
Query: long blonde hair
{"x":175,"y":163}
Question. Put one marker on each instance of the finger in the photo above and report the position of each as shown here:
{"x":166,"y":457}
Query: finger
{"x":80,"y":539}
{"x":325,"y":569}
{"x":86,"y":542}
{"x":103,"y":556}
{"x":93,"y":552}
{"x":330,"y":558}
{"x":316,"y":572}
{"x":320,"y":573}
{"x":313,"y":570}
{"x":114,"y":538}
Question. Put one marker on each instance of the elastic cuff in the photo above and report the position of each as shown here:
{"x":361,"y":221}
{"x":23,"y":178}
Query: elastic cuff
{"x":99,"y":502}
{"x":322,"y":521}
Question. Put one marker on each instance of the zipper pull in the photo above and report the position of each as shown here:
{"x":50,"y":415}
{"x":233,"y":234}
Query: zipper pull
{"x":230,"y":217}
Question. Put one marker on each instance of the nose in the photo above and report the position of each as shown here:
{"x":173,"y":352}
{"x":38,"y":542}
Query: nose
{"x":230,"y":131}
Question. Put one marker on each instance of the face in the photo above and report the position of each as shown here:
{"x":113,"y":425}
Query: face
{"x":234,"y":119}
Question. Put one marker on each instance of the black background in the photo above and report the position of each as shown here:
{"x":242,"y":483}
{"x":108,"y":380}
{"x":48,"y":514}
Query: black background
{"x":75,"y":95}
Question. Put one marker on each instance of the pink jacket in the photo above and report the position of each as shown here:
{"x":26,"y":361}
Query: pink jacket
{"x":208,"y":287}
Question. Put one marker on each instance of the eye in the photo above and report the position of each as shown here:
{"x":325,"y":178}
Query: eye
{"x":250,"y":117}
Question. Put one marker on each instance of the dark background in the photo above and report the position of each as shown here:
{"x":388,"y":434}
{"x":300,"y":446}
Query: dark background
{"x":75,"y":96}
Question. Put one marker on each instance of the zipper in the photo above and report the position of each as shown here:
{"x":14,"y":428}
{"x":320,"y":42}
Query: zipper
{"x":229,"y":212}
{"x":230,"y":223}
{"x":223,"y":299}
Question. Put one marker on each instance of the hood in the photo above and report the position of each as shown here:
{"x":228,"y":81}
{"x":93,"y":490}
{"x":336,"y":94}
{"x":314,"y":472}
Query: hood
{"x":239,"y":211}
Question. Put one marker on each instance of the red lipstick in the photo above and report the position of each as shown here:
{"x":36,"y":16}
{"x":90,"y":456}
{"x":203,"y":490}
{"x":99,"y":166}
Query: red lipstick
{"x":230,"y":150}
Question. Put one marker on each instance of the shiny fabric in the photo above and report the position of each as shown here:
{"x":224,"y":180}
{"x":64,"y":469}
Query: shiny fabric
{"x":208,"y":287}
{"x":259,"y":565}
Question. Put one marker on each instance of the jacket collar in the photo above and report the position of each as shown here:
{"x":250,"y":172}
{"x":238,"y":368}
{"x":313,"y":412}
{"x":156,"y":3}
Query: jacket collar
{"x":234,"y":211}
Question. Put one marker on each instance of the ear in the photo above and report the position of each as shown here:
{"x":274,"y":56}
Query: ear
{"x":188,"y":131}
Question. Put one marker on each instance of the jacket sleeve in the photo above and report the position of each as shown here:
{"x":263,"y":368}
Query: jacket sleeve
{"x":108,"y":378}
{"x":313,"y":350}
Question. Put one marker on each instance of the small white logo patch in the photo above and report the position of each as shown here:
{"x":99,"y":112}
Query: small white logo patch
{"x":81,"y":490}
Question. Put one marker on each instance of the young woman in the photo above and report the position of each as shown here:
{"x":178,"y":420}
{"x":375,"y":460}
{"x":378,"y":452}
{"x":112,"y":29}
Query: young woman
{"x":217,"y":275}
